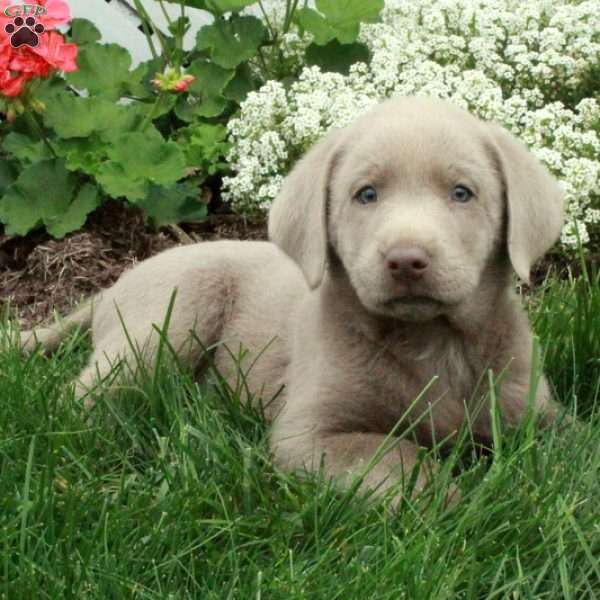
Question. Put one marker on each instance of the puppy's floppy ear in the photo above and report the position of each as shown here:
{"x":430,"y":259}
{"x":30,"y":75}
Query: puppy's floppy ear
{"x":298,"y":216}
{"x":534,"y":199}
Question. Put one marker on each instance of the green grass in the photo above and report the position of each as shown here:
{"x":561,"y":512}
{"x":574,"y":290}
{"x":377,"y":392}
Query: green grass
{"x":170,"y":493}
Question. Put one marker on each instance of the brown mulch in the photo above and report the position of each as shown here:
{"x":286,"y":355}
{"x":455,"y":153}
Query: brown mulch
{"x":40,"y":275}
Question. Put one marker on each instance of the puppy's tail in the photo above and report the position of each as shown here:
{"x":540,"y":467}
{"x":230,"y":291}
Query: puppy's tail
{"x":49,"y":338}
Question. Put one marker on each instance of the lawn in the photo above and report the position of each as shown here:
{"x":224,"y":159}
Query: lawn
{"x":169,"y":492}
{"x":168,"y":489}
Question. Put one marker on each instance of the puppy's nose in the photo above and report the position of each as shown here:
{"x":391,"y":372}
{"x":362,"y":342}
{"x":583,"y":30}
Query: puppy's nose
{"x":407,"y":262}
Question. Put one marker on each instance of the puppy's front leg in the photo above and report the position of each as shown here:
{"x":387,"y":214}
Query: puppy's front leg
{"x":301,"y":443}
{"x":516,"y":401}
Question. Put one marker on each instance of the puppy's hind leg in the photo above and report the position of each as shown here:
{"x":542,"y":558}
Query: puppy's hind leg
{"x":135,"y":338}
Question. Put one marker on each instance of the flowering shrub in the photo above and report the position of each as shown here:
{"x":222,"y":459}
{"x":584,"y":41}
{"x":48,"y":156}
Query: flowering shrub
{"x":261,"y":91}
{"x":77,"y":133}
{"x":533,"y":67}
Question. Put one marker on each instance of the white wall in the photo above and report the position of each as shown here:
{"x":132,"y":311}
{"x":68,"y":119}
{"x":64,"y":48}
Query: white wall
{"x":118,"y":25}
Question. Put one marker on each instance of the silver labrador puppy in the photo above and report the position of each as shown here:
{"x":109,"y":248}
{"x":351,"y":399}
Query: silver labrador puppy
{"x":394,"y":245}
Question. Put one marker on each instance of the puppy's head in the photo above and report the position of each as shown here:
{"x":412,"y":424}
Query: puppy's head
{"x":413,"y":202}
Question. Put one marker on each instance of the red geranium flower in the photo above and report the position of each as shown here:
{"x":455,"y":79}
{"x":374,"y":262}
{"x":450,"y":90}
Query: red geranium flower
{"x":57,"y":12}
{"x":12,"y":86}
{"x":11,"y":83}
{"x":19,"y":65}
{"x":55,"y":53}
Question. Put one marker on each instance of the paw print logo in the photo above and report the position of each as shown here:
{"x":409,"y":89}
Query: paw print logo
{"x":24,"y":32}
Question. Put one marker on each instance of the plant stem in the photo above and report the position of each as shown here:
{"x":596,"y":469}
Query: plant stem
{"x":181,"y":28}
{"x":37,"y":128}
{"x":161,"y":41}
{"x":272,"y":31}
{"x":146,"y":19}
{"x":287,"y":12}
{"x":150,"y":116}
{"x":290,"y":10}
{"x":164,"y":12}
{"x":141,"y":12}
{"x":263,"y":62}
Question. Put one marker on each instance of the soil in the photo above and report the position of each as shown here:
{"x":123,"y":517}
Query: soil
{"x":40,"y":275}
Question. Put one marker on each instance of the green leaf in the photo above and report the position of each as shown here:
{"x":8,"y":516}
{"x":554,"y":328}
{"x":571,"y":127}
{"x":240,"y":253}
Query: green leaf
{"x":40,"y":193}
{"x":317,"y":24}
{"x":199,"y":4}
{"x":25,"y":149}
{"x":159,"y":106}
{"x":73,"y":117}
{"x":233,"y":41}
{"x":82,"y":154}
{"x":223,"y":6}
{"x":338,"y":19}
{"x":337,"y":57}
{"x":47,"y":89}
{"x":140,"y":83}
{"x":190,"y":108}
{"x":45,"y":193}
{"x":205,"y":146}
{"x":174,"y":204}
{"x":83,"y":32}
{"x":103,"y":70}
{"x":117,"y":182}
{"x":217,"y":7}
{"x":208,"y":135}
{"x":342,"y":13}
{"x":211,"y":81}
{"x":180,"y":26}
{"x":86,"y":201}
{"x":241,"y":84}
{"x":153,"y":160}
{"x":8,"y":174}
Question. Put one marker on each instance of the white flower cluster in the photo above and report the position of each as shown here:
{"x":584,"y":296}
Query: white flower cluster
{"x":530,"y":66}
{"x":276,"y":126}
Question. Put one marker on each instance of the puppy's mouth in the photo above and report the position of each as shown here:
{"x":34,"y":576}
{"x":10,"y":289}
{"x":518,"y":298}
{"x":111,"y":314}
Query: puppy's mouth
{"x":413,"y":301}
{"x":414,"y":308}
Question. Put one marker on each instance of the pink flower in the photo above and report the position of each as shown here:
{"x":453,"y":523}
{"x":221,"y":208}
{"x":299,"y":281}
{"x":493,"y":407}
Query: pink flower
{"x":30,"y":65}
{"x":184,"y":83}
{"x":6,"y":52}
{"x":18,"y":65}
{"x":53,"y":50}
{"x":50,"y":14}
{"x":57,"y":13}
{"x":12,"y":86}
{"x":172,"y":81}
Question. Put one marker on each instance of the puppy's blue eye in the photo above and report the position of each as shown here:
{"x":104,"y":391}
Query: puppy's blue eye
{"x":367,"y":195}
{"x":461,"y":193}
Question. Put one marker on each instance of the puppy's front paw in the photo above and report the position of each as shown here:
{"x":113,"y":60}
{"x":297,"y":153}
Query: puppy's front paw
{"x":451,"y":497}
